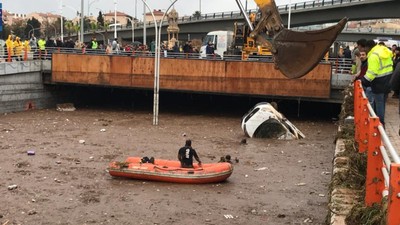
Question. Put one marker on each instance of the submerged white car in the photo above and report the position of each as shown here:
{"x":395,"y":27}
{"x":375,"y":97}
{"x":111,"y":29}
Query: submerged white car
{"x":264,"y":121}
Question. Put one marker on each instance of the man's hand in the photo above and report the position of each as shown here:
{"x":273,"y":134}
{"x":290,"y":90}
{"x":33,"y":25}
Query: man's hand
{"x":199,"y":164}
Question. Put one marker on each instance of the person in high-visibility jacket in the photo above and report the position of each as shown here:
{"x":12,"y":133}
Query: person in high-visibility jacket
{"x":10,"y":47}
{"x":18,"y":48}
{"x":26,"y":49}
{"x":42,"y":47}
{"x":378,"y":75}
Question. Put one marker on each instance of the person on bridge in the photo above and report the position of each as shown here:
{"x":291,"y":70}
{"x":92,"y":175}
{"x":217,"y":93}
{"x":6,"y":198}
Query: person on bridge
{"x":361,"y":73}
{"x":210,"y":50}
{"x":93,"y":45}
{"x":18,"y":49}
{"x":380,"y":69}
{"x":186,"y":154}
{"x":42,"y":48}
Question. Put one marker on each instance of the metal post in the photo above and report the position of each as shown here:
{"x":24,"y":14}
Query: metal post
{"x":136,"y":9}
{"x":158,"y":44}
{"x":156,"y":74}
{"x":393,"y":215}
{"x":115,"y":19}
{"x":82,"y":22}
{"x":144,"y":22}
{"x":374,"y":182}
{"x":90,"y":3}
{"x":29,"y":33}
{"x":133,"y":28}
{"x":62,"y":22}
{"x":290,"y":13}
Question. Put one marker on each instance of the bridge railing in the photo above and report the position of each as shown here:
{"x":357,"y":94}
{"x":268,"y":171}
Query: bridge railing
{"x":339,"y":65}
{"x":383,"y":161}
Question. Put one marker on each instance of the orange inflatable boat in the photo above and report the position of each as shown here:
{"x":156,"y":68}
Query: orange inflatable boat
{"x":171,"y":171}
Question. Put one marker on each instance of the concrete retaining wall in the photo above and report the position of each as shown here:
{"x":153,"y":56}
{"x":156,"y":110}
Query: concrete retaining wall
{"x":21,"y":87}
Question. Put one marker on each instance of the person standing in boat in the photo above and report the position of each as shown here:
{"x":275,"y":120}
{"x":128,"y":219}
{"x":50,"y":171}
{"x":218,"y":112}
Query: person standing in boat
{"x":186,"y":154}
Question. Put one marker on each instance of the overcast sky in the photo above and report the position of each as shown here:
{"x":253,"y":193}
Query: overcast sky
{"x":184,"y":7}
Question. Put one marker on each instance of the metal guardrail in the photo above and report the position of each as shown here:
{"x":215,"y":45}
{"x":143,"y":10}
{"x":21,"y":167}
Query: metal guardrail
{"x":383,"y":161}
{"x":340,"y":65}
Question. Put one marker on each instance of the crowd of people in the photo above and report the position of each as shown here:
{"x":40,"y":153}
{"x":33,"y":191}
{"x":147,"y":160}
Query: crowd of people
{"x":16,"y":49}
{"x":378,"y":68}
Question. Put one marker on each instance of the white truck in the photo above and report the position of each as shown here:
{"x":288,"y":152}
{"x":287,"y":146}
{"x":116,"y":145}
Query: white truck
{"x":220,"y":39}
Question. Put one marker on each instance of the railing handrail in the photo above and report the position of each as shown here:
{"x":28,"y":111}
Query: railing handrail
{"x":381,"y":179}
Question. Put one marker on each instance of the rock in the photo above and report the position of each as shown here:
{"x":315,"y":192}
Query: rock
{"x":308,"y":220}
{"x":103,"y":130}
{"x":12,"y":187}
{"x":66,"y":107}
{"x":81,"y":141}
{"x":262,"y":168}
{"x":301,"y":184}
{"x":32,"y":212}
{"x":281,"y":215}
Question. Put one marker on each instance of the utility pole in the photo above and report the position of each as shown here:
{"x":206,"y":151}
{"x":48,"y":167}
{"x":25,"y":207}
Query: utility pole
{"x":115,"y":19}
{"x":144,"y":24}
{"x":62,"y":22}
{"x":82,"y":22}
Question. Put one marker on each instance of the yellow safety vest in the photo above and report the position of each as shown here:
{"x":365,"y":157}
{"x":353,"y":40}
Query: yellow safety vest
{"x":380,"y":62}
{"x":94,"y":45}
{"x":42,"y":44}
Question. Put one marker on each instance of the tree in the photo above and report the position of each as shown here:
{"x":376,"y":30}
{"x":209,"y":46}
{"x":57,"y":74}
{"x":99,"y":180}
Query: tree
{"x":18,"y":28}
{"x":100,"y":19}
{"x":197,"y":14}
{"x":129,"y":21}
{"x":6,"y":31}
{"x":69,"y":27}
{"x":93,"y":26}
{"x":86,"y":24}
{"x":33,"y":22}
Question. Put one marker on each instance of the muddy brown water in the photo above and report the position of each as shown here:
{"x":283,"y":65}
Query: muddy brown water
{"x":66,"y":182}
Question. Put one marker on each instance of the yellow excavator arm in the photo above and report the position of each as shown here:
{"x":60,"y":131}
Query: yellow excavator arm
{"x":294,"y":53}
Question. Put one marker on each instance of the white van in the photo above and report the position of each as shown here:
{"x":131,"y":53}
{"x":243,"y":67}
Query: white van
{"x":221,"y":40}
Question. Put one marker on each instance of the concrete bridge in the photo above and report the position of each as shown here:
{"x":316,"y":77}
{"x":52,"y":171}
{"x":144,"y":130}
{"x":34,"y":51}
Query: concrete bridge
{"x":303,"y":14}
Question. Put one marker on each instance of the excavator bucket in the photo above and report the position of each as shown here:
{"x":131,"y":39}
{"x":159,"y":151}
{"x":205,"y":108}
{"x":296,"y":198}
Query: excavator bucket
{"x":297,"y":53}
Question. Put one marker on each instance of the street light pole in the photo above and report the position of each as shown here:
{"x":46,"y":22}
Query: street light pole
{"x":133,"y":28}
{"x":290,"y":13}
{"x":82,"y":22}
{"x":115,"y":19}
{"x":77,"y":13}
{"x":144,"y":23}
{"x":90,"y":3}
{"x":29,"y":33}
{"x":55,"y":30}
{"x":62,"y":21}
